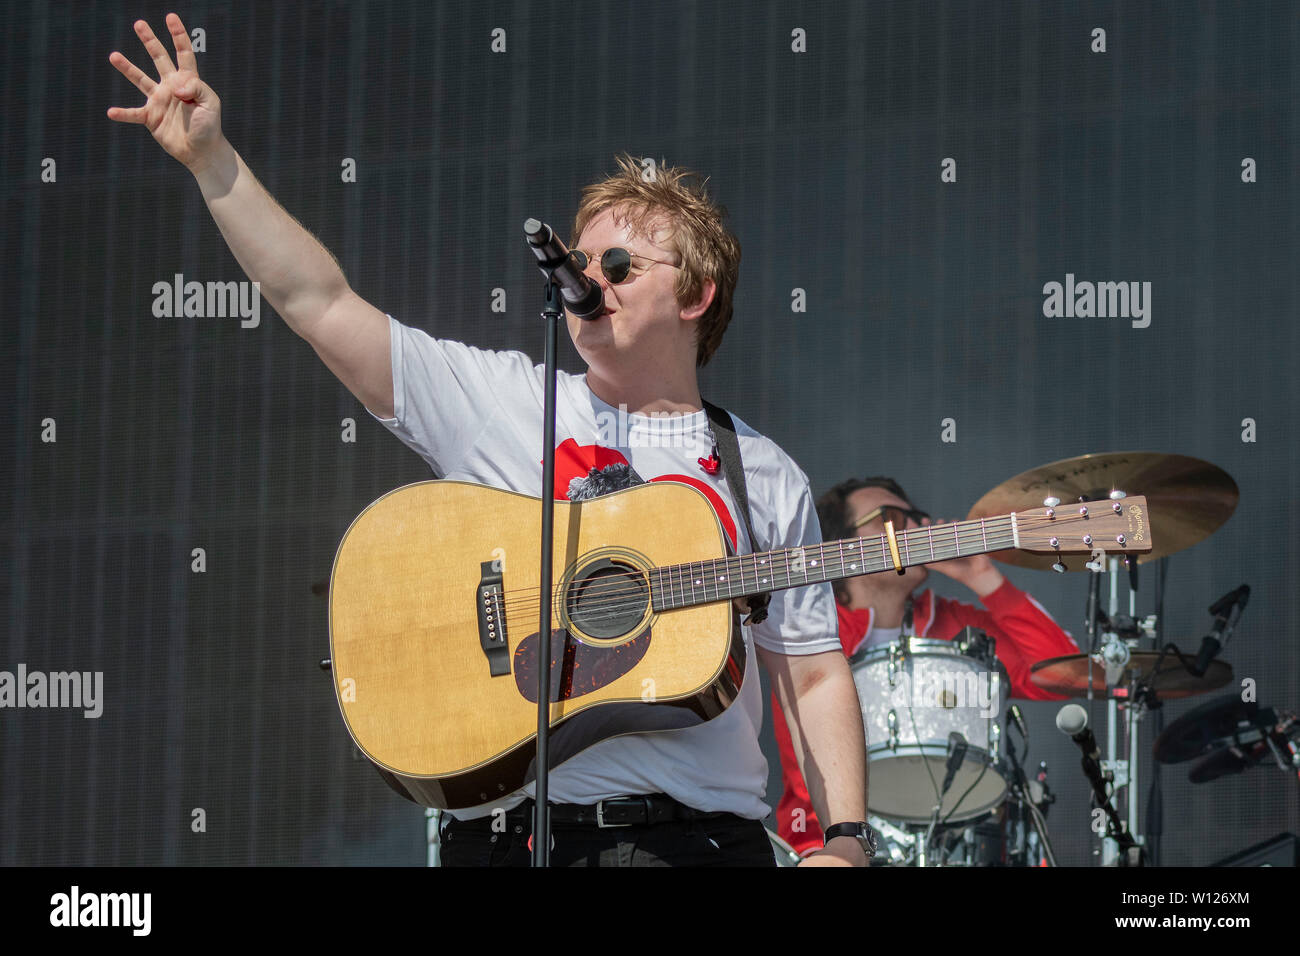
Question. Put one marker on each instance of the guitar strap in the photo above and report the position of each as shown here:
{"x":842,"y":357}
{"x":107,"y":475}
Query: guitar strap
{"x":733,"y":470}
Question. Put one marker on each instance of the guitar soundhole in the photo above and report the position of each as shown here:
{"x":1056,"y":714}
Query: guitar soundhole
{"x":607,"y":599}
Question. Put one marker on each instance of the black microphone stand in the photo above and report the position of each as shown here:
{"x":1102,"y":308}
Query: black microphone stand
{"x":1130,"y":850}
{"x":552,"y":312}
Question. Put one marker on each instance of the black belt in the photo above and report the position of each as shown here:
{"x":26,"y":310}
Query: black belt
{"x":643,"y":810}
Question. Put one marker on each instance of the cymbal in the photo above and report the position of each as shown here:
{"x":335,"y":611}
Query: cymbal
{"x":1220,"y":763}
{"x":1188,"y":499}
{"x":1069,"y":675}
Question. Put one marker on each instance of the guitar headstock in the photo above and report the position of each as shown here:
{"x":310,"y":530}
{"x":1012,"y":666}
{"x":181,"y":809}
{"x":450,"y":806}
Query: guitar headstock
{"x":1114,"y":527}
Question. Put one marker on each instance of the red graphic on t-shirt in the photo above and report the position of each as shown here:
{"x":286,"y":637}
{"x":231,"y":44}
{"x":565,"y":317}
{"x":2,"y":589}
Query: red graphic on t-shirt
{"x":576,"y":461}
{"x":573,"y":461}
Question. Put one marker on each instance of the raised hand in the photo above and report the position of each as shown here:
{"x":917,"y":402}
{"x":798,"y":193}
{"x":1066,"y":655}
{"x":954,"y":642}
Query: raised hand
{"x":977,"y":572}
{"x":182,"y":112}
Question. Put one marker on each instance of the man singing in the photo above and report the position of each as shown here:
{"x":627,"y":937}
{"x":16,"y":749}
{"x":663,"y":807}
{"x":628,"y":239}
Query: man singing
{"x":668,"y":268}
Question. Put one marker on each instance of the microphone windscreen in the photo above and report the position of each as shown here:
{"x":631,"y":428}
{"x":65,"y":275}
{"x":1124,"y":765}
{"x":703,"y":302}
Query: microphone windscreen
{"x":1071,"y":719}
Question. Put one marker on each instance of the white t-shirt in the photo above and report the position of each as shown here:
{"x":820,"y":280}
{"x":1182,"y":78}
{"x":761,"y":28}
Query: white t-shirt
{"x":476,"y":415}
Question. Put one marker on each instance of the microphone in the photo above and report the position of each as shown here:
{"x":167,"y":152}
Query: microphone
{"x":1019,"y":720}
{"x":582,"y":297}
{"x":1238,"y":597}
{"x":956,"y":755}
{"x":1222,"y":610}
{"x":1072,"y":720}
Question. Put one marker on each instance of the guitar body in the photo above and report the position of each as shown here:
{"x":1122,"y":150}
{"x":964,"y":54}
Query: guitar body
{"x":435,"y":587}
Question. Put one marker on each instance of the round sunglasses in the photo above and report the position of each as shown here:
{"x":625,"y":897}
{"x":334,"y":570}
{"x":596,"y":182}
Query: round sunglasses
{"x":615,"y":262}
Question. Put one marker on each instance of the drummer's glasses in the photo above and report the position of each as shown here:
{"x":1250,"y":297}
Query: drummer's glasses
{"x":899,"y":516}
{"x":616,"y":263}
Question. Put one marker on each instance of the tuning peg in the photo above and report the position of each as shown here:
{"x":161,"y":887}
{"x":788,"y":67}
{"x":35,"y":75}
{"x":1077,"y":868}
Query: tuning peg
{"x":1116,"y":495}
{"x":1059,"y":568}
{"x":1051,"y":502}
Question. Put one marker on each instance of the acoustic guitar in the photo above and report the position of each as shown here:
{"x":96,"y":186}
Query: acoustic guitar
{"x":434,"y":617}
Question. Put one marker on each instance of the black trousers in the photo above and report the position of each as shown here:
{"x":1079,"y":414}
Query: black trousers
{"x":723,"y":840}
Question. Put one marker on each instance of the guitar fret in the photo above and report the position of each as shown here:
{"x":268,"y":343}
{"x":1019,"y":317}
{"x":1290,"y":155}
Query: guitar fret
{"x":718,"y":579}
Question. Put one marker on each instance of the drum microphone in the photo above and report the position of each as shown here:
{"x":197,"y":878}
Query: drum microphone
{"x":1019,"y":720}
{"x":956,"y":755}
{"x":1072,"y":720}
{"x":582,"y":297}
{"x":1213,"y":642}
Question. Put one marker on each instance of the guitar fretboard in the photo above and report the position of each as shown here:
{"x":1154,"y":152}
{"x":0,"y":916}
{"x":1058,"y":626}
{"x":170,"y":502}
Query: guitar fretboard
{"x":721,"y":579}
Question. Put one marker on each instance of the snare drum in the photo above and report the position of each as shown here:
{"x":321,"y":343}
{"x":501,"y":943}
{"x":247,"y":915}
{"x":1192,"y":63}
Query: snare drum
{"x":914,"y":693}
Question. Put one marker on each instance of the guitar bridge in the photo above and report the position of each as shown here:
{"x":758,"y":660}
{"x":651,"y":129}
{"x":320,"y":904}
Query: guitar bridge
{"x":492,"y":619}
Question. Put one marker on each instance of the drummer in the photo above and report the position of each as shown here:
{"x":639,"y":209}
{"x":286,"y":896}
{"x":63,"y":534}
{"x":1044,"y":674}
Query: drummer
{"x":872,"y":609}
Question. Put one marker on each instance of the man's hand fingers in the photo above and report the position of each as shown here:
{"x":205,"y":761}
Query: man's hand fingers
{"x":121,"y":115}
{"x":181,"y":40}
{"x":132,"y":73}
{"x":188,"y":87}
{"x":154,"y":49}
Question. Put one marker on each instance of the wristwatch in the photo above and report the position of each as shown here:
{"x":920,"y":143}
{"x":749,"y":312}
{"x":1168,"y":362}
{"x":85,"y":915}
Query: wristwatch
{"x":859,"y":831}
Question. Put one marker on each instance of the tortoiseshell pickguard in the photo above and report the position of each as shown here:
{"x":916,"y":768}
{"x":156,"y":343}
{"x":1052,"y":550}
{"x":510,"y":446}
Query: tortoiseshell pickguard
{"x":576,"y":668}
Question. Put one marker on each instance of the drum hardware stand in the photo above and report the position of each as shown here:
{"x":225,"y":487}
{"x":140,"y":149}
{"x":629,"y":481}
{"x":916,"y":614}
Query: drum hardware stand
{"x":1021,"y":792}
{"x":895,"y":838}
{"x":1110,"y":640}
{"x":1121,"y":635}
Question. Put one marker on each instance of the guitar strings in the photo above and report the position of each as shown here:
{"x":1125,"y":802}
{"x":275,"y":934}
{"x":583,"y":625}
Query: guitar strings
{"x":621,"y":600}
{"x":830,"y":557}
{"x":1001,"y":541}
{"x":783,"y":565}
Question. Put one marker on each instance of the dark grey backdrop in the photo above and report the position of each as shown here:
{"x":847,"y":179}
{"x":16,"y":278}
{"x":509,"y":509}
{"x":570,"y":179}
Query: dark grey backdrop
{"x":924,"y":303}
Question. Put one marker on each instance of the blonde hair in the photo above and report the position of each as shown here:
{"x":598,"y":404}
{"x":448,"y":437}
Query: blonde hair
{"x":676,"y":196}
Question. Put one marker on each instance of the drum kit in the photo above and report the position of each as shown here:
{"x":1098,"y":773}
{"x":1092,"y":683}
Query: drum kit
{"x":947,"y":787}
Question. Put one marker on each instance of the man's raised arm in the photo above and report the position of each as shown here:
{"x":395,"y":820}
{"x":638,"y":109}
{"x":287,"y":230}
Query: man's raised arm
{"x":297,"y":275}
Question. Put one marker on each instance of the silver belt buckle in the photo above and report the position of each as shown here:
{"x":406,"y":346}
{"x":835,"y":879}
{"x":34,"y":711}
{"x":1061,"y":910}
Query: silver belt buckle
{"x":600,"y":818}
